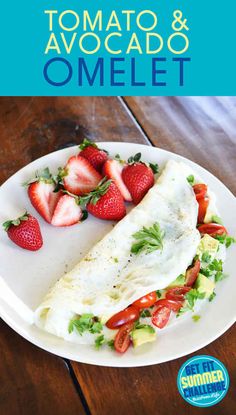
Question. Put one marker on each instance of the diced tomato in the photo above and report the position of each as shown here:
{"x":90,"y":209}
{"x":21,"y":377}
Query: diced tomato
{"x":200,"y":190}
{"x":212,"y":229}
{"x":177,"y":293}
{"x":173,"y":305}
{"x":122,"y":339}
{"x":160,"y":316}
{"x":192,"y":273}
{"x":202,"y":209}
{"x":146,"y":301}
{"x":129,"y":315}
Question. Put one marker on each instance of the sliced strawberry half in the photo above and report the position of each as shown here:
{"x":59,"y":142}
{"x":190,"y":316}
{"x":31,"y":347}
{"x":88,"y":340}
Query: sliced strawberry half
{"x":41,"y":194}
{"x":112,"y":169}
{"x":67,"y":211}
{"x":79,"y":176}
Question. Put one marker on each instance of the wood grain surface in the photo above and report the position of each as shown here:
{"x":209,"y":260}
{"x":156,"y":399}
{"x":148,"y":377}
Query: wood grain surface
{"x":202,"y":129}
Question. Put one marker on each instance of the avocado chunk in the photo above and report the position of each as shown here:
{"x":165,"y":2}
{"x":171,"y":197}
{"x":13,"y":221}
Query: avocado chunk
{"x":204,"y":285}
{"x":180,"y":280}
{"x":144,"y":334}
{"x":209,"y":245}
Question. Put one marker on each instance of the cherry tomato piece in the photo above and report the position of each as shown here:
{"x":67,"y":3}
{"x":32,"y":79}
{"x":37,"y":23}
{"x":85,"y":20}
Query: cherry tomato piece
{"x":192,"y":273}
{"x":129,"y":315}
{"x":212,"y":229}
{"x":177,"y":293}
{"x":160,"y":316}
{"x":146,"y":301}
{"x":122,"y":339}
{"x":202,"y":208}
{"x":200,"y":190}
{"x":173,"y":305}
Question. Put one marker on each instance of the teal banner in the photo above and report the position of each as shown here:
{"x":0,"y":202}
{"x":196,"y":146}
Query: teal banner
{"x":96,"y":47}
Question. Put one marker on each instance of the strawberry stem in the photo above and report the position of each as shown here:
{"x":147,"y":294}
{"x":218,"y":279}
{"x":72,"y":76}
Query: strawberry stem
{"x":134,"y":159}
{"x":15,"y":222}
{"x":87,"y":143}
{"x":95,"y":194}
{"x":41,"y":176}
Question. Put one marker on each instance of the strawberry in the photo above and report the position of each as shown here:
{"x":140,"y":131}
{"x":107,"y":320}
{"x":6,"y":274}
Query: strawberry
{"x":105,"y":202}
{"x":112,"y":169}
{"x":41,"y":194}
{"x":67,"y":211}
{"x":139,"y":178}
{"x":79,"y":176}
{"x":25,"y":232}
{"x":93,"y":154}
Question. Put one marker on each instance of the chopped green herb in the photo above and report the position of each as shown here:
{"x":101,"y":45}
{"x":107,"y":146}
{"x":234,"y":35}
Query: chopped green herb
{"x":216,"y":266}
{"x":206,"y":257}
{"x":191,"y":179}
{"x":225,"y":239}
{"x":145,"y":313}
{"x":216,"y":219}
{"x":212,"y":296}
{"x":190,"y":299}
{"x":219,"y":276}
{"x":115,"y":260}
{"x":159,"y":293}
{"x":148,"y":239}
{"x":196,"y":318}
{"x":110,"y":343}
{"x":96,"y":327}
{"x":85,"y":322}
{"x":99,"y":341}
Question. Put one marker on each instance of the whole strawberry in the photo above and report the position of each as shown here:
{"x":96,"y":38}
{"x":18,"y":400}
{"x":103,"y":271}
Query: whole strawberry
{"x":138,"y":178}
{"x":25,"y":232}
{"x":106,"y":201}
{"x":93,"y":154}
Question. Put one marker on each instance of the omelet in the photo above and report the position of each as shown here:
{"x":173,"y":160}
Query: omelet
{"x":110,"y":276}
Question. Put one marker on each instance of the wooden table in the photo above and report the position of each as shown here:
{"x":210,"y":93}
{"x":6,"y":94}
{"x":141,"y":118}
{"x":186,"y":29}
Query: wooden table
{"x":202,"y":129}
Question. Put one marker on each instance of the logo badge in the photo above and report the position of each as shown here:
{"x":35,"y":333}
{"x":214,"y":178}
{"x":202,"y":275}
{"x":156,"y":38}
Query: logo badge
{"x":203,"y":381}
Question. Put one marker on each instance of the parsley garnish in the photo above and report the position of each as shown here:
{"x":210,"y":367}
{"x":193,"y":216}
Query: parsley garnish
{"x":214,"y":268}
{"x":99,"y":341}
{"x":159,"y":293}
{"x":191,"y":179}
{"x":145,"y":313}
{"x":196,"y":318}
{"x":148,"y":239}
{"x":85,"y":322}
{"x":225,"y":239}
{"x":191,"y":297}
{"x":206,"y":257}
{"x":110,"y":343}
{"x":212,"y":296}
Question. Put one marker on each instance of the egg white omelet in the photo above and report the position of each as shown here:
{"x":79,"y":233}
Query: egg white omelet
{"x":109,"y":277}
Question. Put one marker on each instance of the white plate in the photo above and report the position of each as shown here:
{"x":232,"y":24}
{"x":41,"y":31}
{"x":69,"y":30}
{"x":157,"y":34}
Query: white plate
{"x":30,"y":274}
